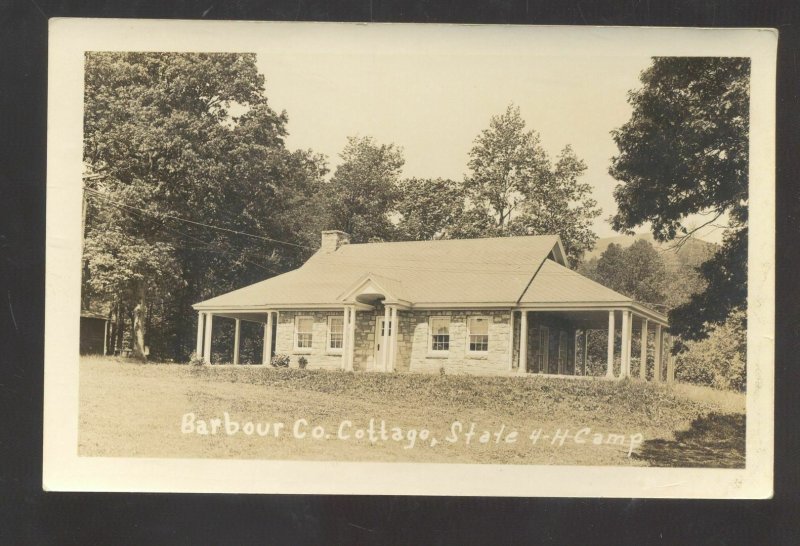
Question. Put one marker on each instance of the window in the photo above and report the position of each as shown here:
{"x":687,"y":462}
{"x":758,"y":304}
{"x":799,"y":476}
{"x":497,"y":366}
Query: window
{"x":335,"y":333}
{"x":303,"y":328}
{"x":544,"y":348}
{"x":562,"y":351}
{"x":440,"y":334}
{"x":384,"y":324}
{"x":478,"y":332}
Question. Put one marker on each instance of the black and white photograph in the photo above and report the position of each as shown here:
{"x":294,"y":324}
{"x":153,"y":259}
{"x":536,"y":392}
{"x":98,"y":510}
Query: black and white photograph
{"x":402,"y":259}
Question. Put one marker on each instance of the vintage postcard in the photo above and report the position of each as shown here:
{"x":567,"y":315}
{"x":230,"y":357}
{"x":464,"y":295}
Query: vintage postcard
{"x":410,"y":259}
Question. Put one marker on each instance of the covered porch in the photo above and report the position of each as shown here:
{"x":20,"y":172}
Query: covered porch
{"x":269,"y":320}
{"x":583,"y":341}
{"x":205,"y":327}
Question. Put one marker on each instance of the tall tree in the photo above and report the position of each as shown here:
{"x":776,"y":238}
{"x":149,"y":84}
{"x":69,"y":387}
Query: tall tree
{"x":180,"y":142}
{"x":363,"y":189}
{"x":562,"y":205}
{"x":684,"y":151}
{"x":506,"y":163}
{"x":516,"y":187}
{"x":428,"y":208}
{"x":636,"y":271}
{"x":725,"y":276}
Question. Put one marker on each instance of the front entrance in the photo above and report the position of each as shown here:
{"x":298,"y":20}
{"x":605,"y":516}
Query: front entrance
{"x":380,"y":324}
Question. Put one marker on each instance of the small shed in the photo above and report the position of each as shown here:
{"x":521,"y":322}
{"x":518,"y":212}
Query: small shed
{"x":95,"y":333}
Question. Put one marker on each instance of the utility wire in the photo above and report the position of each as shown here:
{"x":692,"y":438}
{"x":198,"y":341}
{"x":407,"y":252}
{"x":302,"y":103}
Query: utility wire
{"x":179,"y":219}
{"x":206,"y":245}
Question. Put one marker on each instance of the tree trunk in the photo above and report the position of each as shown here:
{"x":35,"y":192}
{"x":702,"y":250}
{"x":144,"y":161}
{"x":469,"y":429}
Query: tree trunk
{"x":139,"y":315}
{"x":120,"y":330}
{"x":109,"y":333}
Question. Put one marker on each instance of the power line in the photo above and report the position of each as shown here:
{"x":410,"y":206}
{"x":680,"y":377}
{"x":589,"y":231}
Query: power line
{"x":207,"y":245}
{"x":179,"y":219}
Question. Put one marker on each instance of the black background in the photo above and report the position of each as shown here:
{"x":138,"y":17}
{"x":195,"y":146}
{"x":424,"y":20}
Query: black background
{"x":29,"y":516}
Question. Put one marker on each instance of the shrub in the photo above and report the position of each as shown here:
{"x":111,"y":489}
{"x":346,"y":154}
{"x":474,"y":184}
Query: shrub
{"x":280,"y":361}
{"x":195,"y":360}
{"x":302,"y":362}
{"x":720,"y":360}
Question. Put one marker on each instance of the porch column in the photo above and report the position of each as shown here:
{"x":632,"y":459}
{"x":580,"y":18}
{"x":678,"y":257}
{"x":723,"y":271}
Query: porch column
{"x":670,"y":360}
{"x":585,"y":356}
{"x":643,"y":352}
{"x":610,"y":354}
{"x":385,"y":340}
{"x":523,"y":342}
{"x":199,"y":349}
{"x":511,"y":341}
{"x":207,"y":339}
{"x":266,"y":353}
{"x":392,"y":339}
{"x":236,"y":332}
{"x":630,"y":344}
{"x":625,"y":366}
{"x":575,"y":339}
{"x":657,"y":355}
{"x":105,"y":338}
{"x":345,"y":336}
{"x":351,"y":340}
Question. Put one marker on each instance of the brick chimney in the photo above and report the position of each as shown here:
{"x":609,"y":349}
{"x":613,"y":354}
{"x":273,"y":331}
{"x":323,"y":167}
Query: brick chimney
{"x":332,"y":240}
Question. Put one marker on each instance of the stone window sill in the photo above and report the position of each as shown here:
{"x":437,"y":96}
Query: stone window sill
{"x":334,"y":352}
{"x":438,"y":355}
{"x":302,"y":351}
{"x":477,"y":356}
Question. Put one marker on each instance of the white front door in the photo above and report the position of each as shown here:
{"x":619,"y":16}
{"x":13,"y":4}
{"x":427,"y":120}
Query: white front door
{"x":380,"y":323}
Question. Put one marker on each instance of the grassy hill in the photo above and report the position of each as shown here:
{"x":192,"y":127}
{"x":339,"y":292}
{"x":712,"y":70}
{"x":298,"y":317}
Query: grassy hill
{"x":129,"y":410}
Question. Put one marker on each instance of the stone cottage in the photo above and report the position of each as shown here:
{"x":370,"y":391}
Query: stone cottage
{"x":494,"y":306}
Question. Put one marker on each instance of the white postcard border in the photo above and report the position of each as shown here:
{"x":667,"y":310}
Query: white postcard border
{"x":64,"y":470}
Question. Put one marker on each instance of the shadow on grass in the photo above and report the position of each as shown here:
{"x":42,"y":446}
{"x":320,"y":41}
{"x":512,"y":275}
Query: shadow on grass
{"x":714,"y":441}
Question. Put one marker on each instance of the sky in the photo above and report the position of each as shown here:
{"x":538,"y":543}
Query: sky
{"x":434,"y":104}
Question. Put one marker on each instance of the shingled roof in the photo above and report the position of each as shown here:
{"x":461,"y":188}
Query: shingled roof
{"x":505,"y":271}
{"x":554,"y":283}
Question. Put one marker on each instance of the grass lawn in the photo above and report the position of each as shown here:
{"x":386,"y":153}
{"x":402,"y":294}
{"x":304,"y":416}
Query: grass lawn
{"x":138,"y":410}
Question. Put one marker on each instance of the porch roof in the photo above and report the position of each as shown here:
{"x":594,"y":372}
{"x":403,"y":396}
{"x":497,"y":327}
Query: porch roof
{"x":556,"y":283}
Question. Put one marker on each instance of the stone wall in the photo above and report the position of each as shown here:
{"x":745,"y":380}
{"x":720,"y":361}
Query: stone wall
{"x":496,"y":361}
{"x":366,"y":329}
{"x":413,"y":341}
{"x":364,"y":357}
{"x":319,"y":357}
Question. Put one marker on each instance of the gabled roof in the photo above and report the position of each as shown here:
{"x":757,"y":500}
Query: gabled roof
{"x":373,"y":283}
{"x":460,"y":271}
{"x":527,"y":272}
{"x":554,"y":283}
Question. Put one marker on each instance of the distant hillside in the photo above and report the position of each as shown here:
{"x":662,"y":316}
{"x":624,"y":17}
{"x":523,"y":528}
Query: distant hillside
{"x":691,"y":247}
{"x":682,"y":278}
